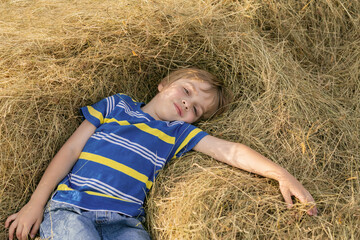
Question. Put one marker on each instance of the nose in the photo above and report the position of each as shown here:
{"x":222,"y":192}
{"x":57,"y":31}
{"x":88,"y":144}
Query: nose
{"x":186,"y":105}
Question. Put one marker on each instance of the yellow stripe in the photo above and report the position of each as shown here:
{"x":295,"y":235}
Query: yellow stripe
{"x":96,"y":113}
{"x":144,"y":127}
{"x":64,"y":187}
{"x":117,"y":166}
{"x":156,"y":132}
{"x":104,"y":195}
{"x":110,"y":120}
{"x":187,"y":140}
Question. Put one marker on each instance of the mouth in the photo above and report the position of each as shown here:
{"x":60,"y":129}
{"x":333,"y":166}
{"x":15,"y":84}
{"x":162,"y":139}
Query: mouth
{"x":178,"y":110}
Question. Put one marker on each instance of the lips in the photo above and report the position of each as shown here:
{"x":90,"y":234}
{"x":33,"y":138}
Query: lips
{"x":178,"y":109}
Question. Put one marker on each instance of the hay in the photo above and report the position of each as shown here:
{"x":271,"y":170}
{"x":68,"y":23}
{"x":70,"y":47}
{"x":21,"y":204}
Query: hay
{"x":293,"y":67}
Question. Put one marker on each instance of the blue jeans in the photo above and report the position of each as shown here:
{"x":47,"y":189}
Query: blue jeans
{"x":63,"y":221}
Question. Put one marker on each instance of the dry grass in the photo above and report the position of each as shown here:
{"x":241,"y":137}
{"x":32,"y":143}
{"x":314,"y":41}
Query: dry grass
{"x":293,"y":67}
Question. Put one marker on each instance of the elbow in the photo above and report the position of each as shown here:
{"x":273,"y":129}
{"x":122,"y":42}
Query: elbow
{"x":70,"y":151}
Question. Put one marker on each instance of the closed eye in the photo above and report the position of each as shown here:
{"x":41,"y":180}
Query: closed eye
{"x":195,"y":111}
{"x":186,"y":91}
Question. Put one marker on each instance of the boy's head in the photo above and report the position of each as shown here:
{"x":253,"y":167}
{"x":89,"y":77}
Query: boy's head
{"x":211,"y":97}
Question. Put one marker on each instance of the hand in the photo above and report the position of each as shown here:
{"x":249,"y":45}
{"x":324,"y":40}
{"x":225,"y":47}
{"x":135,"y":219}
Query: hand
{"x":289,"y":186}
{"x":28,"y":218}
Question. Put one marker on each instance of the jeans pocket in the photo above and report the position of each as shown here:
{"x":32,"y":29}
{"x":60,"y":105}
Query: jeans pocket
{"x":54,"y":206}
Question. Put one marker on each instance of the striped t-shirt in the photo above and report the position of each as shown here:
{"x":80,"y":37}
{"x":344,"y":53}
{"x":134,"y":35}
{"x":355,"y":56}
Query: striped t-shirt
{"x":121,"y":160}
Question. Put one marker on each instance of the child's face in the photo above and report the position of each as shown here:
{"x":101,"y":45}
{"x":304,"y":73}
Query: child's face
{"x":184,"y":100}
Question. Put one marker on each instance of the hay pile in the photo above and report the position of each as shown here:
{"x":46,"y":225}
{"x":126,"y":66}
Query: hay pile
{"x":293,"y":67}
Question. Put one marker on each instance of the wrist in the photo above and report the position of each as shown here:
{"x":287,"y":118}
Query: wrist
{"x":282,"y":174}
{"x":38,"y":200}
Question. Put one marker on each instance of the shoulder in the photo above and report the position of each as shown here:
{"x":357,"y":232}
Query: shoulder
{"x":187,"y":130}
{"x":174,"y":123}
{"x":126,"y":99}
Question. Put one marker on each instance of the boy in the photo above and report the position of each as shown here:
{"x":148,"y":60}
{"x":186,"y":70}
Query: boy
{"x":111,"y":161}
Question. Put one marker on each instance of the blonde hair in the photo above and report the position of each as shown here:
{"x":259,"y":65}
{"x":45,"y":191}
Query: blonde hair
{"x":223,"y":96}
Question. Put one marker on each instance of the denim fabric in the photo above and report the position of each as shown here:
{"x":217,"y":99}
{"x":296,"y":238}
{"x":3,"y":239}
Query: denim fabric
{"x":63,"y":221}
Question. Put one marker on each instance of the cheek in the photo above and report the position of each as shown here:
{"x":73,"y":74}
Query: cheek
{"x":178,"y":91}
{"x":191,"y":118}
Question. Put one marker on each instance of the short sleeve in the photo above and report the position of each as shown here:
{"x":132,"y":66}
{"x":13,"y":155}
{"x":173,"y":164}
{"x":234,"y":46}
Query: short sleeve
{"x":189,"y":136}
{"x":97,"y":112}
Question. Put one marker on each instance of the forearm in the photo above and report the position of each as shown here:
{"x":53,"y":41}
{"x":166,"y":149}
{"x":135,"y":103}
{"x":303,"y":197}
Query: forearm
{"x":247,"y":159}
{"x":55,"y":172}
{"x":28,"y":219}
{"x":30,"y":216}
{"x":241,"y":156}
{"x":62,"y":163}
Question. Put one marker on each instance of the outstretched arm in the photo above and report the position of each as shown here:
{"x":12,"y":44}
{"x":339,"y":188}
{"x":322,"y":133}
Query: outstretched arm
{"x":30,"y":216}
{"x":243,"y":157}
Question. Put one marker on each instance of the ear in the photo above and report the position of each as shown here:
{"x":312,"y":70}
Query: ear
{"x":160,"y":87}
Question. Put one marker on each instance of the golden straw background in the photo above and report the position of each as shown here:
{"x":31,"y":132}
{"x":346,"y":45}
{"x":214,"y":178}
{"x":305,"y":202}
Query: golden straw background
{"x":293,"y":67}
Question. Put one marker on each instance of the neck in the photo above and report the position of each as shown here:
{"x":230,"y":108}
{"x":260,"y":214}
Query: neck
{"x":149,"y":109}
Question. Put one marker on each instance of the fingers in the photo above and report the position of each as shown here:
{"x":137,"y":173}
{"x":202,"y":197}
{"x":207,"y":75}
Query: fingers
{"x":10,"y":219}
{"x":312,"y":211}
{"x":12,"y":229}
{"x":19,"y":231}
{"x":12,"y":226}
{"x":306,"y":198}
{"x":287,"y":197}
{"x":35,"y":228}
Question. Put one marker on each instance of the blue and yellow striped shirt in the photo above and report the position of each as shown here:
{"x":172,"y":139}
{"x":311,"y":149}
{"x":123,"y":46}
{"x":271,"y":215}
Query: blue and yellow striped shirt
{"x":121,"y":160}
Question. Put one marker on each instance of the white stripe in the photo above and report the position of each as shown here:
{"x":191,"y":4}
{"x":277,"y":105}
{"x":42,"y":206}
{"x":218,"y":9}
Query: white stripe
{"x":102,"y":187}
{"x":134,"y":147}
{"x":112,"y":104}
{"x":101,"y":190}
{"x":137,"y":114}
{"x":124,"y":105}
{"x":109,"y":105}
{"x":94,"y":187}
{"x":142,"y":151}
{"x":170,"y":124}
